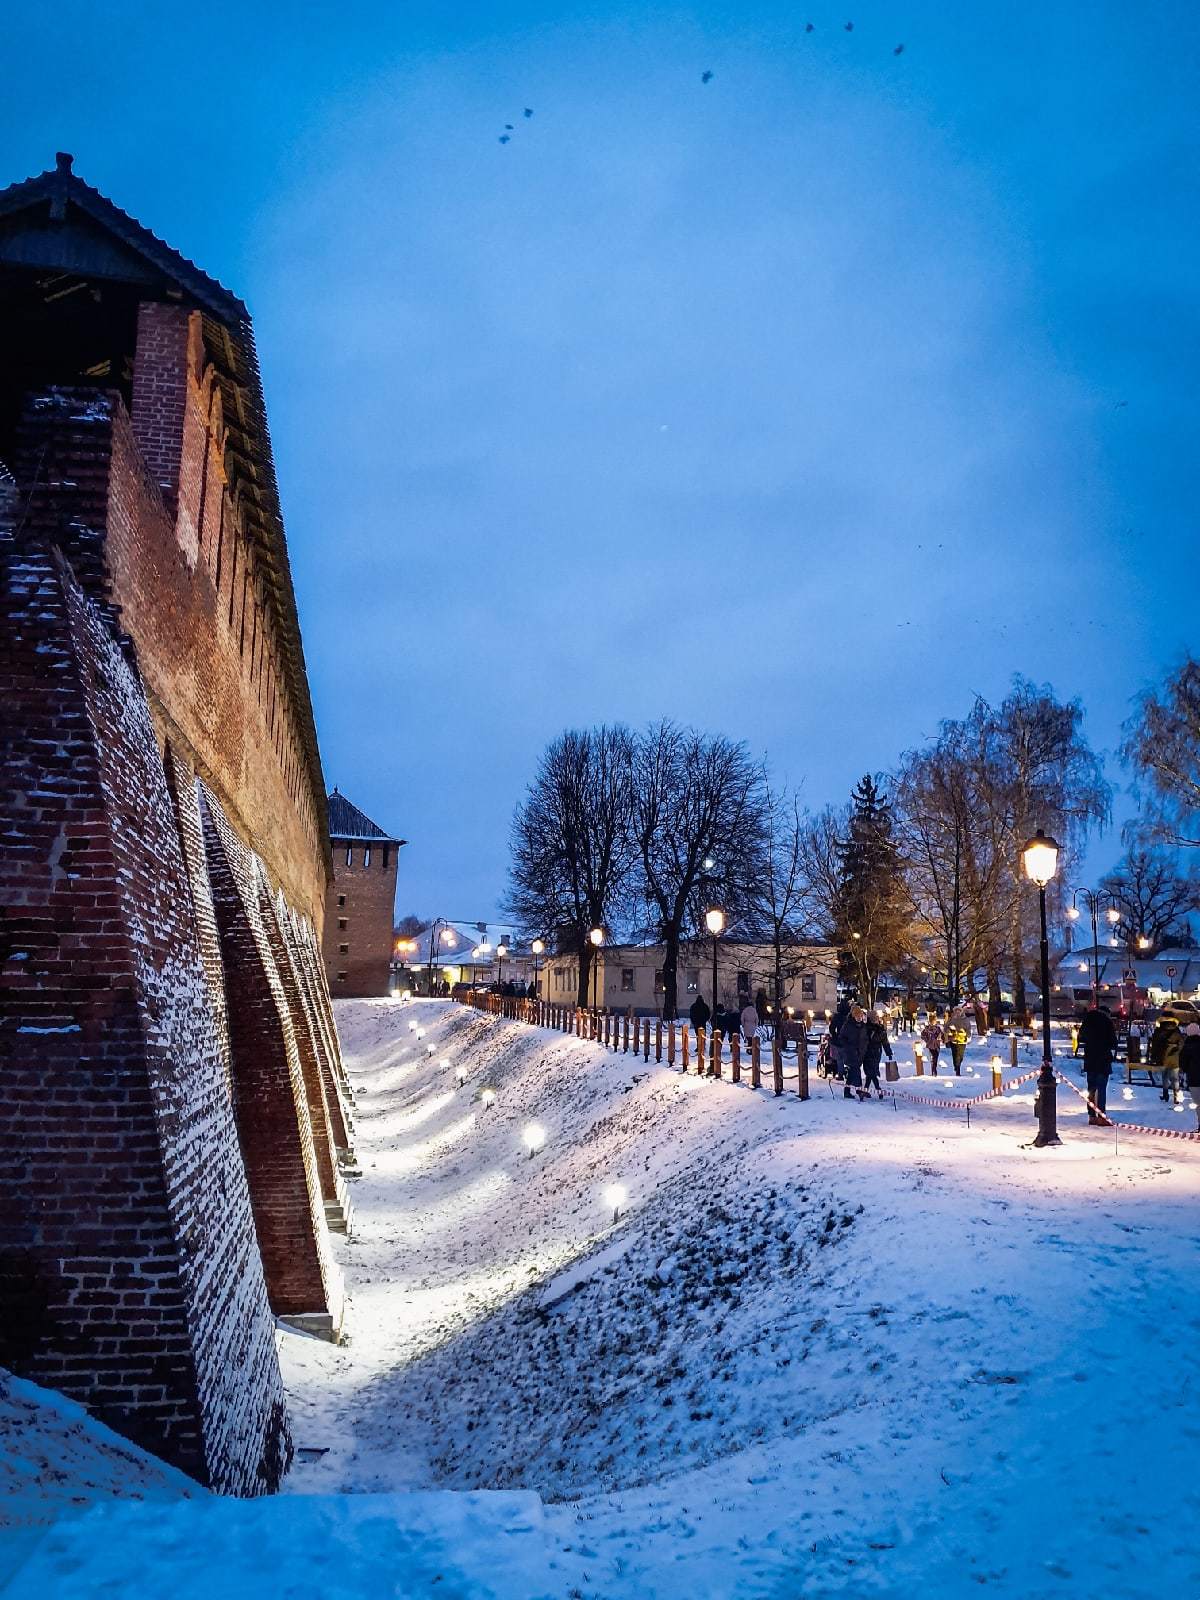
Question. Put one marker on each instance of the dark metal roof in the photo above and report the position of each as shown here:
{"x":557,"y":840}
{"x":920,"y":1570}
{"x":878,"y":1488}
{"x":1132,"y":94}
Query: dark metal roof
{"x":346,"y":821}
{"x":105,"y":241}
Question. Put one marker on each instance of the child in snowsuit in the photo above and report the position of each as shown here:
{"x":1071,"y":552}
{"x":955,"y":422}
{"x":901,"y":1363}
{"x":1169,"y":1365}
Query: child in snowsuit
{"x":932,"y":1035}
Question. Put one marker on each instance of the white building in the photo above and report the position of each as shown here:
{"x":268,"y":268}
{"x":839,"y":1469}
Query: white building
{"x":629,"y":977}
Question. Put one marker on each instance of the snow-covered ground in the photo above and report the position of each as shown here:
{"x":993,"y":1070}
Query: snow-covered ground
{"x":828,"y":1348}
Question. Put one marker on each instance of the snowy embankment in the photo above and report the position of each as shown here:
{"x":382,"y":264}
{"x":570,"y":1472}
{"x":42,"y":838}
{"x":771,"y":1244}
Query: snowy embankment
{"x":828,"y":1348}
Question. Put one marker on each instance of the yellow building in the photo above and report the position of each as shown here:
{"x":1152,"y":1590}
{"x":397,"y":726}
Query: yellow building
{"x":629,"y":977}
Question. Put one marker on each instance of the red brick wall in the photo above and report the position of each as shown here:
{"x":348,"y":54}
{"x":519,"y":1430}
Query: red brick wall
{"x":129,"y":1271}
{"x":369,"y":893}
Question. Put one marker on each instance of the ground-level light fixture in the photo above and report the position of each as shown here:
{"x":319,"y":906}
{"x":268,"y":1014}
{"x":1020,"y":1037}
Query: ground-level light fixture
{"x":412,"y":1027}
{"x":533,"y":1137}
{"x":615,"y":1196}
{"x":460,"y":1074}
{"x":444,"y":1063}
{"x":487,"y":1098}
{"x":997,"y":1072}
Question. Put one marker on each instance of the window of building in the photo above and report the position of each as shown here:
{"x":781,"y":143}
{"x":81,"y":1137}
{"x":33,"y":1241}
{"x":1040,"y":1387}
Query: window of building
{"x":658,"y":980}
{"x":343,"y":922}
{"x":343,"y":949}
{"x":350,"y":856}
{"x":693,"y":980}
{"x":808,"y":986}
{"x":341,"y":977}
{"x":387,"y":855}
{"x":628,"y":980}
{"x":743,"y":983}
{"x":367,"y":856}
{"x":341,"y":899}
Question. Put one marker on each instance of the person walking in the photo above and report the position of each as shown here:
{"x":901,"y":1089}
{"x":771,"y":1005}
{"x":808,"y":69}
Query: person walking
{"x":1189,"y":1065}
{"x":852,"y":1045}
{"x":956,"y":1038}
{"x":699,"y":1014}
{"x":877,"y":1046}
{"x":1098,"y":1041}
{"x":933,"y":1038}
{"x":1165,"y":1044}
{"x":749,"y":1020}
{"x":909,"y":1013}
{"x":838,"y":1021}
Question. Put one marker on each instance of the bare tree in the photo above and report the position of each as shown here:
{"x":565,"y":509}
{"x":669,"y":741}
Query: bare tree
{"x":1162,"y":744}
{"x":572,"y":844}
{"x":1155,"y":900}
{"x":698,"y":808}
{"x":783,"y":916}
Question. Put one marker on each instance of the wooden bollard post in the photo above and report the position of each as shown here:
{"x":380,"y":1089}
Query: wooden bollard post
{"x":637,"y":1029}
{"x":755,"y":1064}
{"x":735,"y":1057}
{"x":670,"y":1044}
{"x":646,"y":1040}
{"x":658,"y":1038}
{"x":700,"y":1052}
{"x":777,"y":1062}
{"x":714,"y":1054}
{"x":802,"y":1066}
{"x":684,"y":1037}
{"x":1012,"y":1050}
{"x":625,"y":1033}
{"x":607,"y":1030}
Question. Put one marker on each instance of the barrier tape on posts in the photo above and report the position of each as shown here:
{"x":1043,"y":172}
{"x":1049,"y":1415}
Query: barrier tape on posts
{"x":1128,"y":1127}
{"x":965,"y":1102}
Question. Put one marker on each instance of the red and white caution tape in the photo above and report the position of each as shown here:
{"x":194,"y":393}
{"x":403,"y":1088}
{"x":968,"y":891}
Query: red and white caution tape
{"x":964,"y":1102}
{"x":1128,"y":1127}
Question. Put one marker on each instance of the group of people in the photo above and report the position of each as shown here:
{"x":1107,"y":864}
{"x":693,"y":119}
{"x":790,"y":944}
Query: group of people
{"x":727,"y":1021}
{"x":949,"y":1033}
{"x":1175,"y":1055}
{"x":854,"y":1047}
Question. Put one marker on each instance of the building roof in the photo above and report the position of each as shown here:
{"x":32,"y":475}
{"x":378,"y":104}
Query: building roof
{"x":56,"y":222}
{"x":346,"y":821}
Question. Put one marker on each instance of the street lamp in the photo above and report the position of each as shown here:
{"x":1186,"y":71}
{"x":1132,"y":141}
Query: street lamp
{"x":538,"y":947}
{"x":714,"y":921}
{"x":440,"y":928}
{"x":1040,"y":861}
{"x":596,"y":938}
{"x":501,"y":952}
{"x":1092,"y":901}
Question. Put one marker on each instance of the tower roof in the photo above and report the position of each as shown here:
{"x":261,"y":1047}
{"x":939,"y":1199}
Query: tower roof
{"x":346,"y":821}
{"x":56,"y":225}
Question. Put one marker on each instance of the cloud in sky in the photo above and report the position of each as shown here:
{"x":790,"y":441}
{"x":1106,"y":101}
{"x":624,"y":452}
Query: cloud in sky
{"x":785,"y":403}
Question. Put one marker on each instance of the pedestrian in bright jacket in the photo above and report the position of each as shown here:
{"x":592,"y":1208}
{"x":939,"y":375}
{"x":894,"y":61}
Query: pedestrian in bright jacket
{"x":877,"y":1046}
{"x":933,"y":1038}
{"x":1098,"y":1041}
{"x":956,"y":1038}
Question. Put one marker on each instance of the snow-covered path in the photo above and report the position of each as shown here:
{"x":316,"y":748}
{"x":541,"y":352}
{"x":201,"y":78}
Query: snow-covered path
{"x":829,"y":1348}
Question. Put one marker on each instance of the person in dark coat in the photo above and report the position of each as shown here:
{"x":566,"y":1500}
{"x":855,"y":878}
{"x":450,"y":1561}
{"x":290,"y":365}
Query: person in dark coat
{"x":1165,"y":1044}
{"x":878,"y":1045}
{"x":699,"y":1013}
{"x":835,"y":1027}
{"x":1189,"y":1064}
{"x":1098,"y":1041}
{"x":852,"y":1045}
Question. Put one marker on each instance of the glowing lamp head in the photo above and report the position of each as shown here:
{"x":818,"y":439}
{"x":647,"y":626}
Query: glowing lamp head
{"x":420,"y":1033}
{"x":538,"y":947}
{"x":488,"y":1098}
{"x":501,"y":951}
{"x":856,"y":935}
{"x":1143,"y":943}
{"x":460,"y":1073}
{"x":714,"y":921}
{"x":412,"y":1027}
{"x":533,"y":1137}
{"x":1040,"y":859}
{"x":1072,"y":913}
{"x":1113,"y":915}
{"x":430,"y":1049}
{"x":616,"y":1195}
{"x":444,"y":1063}
{"x":709,"y":863}
{"x":597,"y":937}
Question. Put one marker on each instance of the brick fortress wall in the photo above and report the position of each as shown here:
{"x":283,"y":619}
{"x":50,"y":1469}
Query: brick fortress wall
{"x":363,"y":897}
{"x":175,"y":1107}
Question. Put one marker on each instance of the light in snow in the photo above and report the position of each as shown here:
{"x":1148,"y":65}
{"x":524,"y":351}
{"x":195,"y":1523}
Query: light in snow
{"x":615,"y":1196}
{"x":533,"y":1138}
{"x":488,"y":1097}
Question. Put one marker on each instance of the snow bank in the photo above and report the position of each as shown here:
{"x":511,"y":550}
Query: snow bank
{"x":829,"y":1348}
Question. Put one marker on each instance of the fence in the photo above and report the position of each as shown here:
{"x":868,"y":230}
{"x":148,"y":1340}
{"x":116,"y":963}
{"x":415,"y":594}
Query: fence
{"x":676,"y":1043}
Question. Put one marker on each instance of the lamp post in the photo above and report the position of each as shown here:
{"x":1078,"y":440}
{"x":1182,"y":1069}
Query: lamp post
{"x":501,"y":952}
{"x":714,"y":921}
{"x":435,"y":933}
{"x":1040,"y":861}
{"x":595,"y":939}
{"x":538,"y":946}
{"x":1092,"y":901}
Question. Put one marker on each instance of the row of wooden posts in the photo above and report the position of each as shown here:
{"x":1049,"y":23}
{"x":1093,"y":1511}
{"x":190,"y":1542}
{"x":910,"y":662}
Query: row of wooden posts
{"x":625,"y":1032}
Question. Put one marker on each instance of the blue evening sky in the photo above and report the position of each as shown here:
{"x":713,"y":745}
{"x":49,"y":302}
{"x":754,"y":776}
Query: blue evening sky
{"x":802,"y":404}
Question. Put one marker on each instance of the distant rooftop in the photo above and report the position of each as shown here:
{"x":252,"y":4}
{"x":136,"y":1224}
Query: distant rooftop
{"x":346,"y":821}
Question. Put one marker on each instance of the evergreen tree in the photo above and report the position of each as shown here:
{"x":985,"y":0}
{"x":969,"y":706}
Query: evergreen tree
{"x":872,"y":907}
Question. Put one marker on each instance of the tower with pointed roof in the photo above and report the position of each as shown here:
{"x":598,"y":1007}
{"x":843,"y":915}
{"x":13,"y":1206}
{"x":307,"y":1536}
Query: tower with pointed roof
{"x":360,"y":912}
{"x":175,"y":1116}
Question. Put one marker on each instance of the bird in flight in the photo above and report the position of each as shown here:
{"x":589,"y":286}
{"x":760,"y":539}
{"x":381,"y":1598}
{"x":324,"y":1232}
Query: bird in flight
{"x":528,"y":111}
{"x":849,"y":27}
{"x":706,"y":77}
{"x":808,"y":27}
{"x":899,"y":50}
{"x":505,"y":137}
{"x":508,"y":127}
